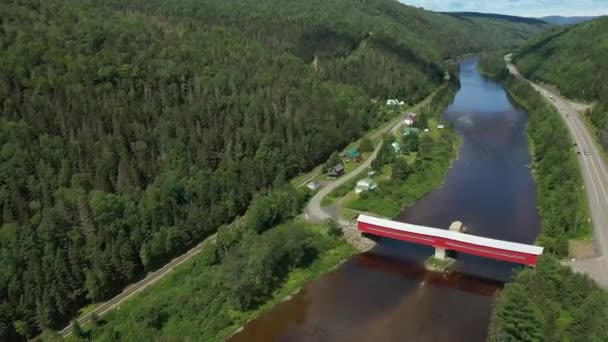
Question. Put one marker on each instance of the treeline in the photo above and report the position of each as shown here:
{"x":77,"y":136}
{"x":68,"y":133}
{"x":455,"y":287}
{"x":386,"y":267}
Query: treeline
{"x":336,"y":28}
{"x":550,"y":303}
{"x":492,"y":64}
{"x":219,"y":288}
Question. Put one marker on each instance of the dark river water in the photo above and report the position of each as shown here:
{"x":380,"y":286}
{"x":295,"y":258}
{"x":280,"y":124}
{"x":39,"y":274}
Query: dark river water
{"x":386,"y":294}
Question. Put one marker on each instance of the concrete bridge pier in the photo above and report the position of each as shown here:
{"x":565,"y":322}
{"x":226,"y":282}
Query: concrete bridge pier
{"x":439,"y":253}
{"x":456,"y":226}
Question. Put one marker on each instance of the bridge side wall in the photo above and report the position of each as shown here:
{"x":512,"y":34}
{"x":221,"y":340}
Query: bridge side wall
{"x":448,"y":244}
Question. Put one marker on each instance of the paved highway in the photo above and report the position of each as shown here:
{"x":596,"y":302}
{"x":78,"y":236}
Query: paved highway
{"x":595,"y":175}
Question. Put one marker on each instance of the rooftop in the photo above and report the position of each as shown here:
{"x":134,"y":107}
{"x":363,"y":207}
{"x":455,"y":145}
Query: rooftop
{"x":353,"y":153}
{"x":446,"y":234}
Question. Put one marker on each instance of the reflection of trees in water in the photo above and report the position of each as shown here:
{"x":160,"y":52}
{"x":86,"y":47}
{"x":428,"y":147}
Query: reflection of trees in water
{"x":416,"y":271}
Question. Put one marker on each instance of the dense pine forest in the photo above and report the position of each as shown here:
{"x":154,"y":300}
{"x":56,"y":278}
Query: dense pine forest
{"x":573,"y":59}
{"x":132,"y":130}
{"x":550,"y":303}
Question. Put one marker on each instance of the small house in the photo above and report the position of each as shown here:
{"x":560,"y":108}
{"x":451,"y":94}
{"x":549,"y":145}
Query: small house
{"x":365,"y":184}
{"x":313,"y":185}
{"x":411,"y":130}
{"x":394,"y":102}
{"x":396,"y":146}
{"x":353,"y":154}
{"x":336,"y":171}
{"x":410,"y":119}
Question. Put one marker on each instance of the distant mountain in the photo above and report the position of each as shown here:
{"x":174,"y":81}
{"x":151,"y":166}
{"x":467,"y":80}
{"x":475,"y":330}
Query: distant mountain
{"x":511,"y":18}
{"x":559,"y":20}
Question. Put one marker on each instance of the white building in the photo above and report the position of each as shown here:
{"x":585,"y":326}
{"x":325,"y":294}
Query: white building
{"x":410,"y":118}
{"x":394,"y":102}
{"x":440,"y":126}
{"x":365,"y":184}
{"x":396,"y":147}
{"x":313,"y":185}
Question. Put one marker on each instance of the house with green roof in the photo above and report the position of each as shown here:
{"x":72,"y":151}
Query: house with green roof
{"x":353,"y":154}
{"x":411,"y":130}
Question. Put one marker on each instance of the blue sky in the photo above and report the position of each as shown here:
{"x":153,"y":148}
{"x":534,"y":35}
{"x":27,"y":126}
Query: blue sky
{"x":525,"y":8}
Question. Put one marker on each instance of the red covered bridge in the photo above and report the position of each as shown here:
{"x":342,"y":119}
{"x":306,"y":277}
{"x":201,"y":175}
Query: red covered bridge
{"x":443,"y":240}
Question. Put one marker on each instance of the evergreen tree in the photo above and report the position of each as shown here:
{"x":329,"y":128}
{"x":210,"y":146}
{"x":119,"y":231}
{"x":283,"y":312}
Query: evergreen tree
{"x":423,"y":121}
{"x":400,"y":169}
{"x":77,"y":329}
{"x":519,"y":320}
{"x":410,"y":143}
{"x":333,"y":229}
{"x":333,"y":160}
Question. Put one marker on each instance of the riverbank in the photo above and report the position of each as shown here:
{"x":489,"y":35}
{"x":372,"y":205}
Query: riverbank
{"x":561,"y":201}
{"x":549,"y":302}
{"x":206,"y":299}
{"x":426,"y":165}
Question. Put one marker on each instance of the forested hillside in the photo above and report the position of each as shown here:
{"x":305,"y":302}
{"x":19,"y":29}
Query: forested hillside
{"x":131,"y":130}
{"x":573,"y":59}
{"x":559,"y":20}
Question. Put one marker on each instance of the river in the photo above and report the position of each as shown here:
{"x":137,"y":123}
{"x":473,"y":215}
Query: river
{"x":386,"y":294}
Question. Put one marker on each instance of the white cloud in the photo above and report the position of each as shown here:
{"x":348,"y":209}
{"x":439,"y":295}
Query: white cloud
{"x":525,"y":8}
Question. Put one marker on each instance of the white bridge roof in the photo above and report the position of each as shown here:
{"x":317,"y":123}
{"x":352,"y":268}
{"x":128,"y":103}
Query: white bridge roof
{"x":456,"y":236}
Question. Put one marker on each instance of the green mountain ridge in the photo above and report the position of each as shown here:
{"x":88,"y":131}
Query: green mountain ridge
{"x":130,"y":131}
{"x":573,"y":59}
{"x":561,"y":20}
